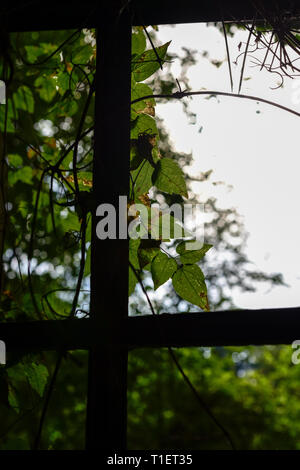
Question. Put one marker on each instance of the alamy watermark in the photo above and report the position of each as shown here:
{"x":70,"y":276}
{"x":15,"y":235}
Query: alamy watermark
{"x":179,"y":221}
{"x":2,"y":352}
{"x":2,"y":92}
{"x":296,"y":354}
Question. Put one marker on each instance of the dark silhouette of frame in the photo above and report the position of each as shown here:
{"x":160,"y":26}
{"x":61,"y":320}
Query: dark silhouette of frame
{"x":109,"y":333}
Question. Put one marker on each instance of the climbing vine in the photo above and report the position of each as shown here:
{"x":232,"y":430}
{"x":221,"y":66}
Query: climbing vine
{"x":46,"y":198}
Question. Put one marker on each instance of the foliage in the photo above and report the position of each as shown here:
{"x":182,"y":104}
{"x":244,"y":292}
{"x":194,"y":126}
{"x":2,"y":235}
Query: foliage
{"x":150,"y":169}
{"x":46,"y":124}
{"x":253,"y":391}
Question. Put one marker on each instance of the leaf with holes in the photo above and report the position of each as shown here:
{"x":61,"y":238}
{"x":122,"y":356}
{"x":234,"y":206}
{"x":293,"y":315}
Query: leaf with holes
{"x":162,"y":268}
{"x":142,"y":123}
{"x":188,"y":281}
{"x":168,"y":177}
{"x":138,"y":90}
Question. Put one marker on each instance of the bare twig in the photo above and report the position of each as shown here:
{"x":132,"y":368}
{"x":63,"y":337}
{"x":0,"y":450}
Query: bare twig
{"x":245,"y":55}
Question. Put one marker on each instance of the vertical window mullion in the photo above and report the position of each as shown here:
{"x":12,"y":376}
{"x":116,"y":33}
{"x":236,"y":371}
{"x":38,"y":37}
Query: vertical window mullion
{"x":107,"y":403}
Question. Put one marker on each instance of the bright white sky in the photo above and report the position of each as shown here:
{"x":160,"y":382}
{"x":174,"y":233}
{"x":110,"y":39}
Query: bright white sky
{"x":257,"y":154}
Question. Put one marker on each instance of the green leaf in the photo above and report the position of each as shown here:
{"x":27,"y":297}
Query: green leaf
{"x":169,"y":178}
{"x":88,"y":235}
{"x":23,"y":99}
{"x":146,"y":64}
{"x":136,"y":157}
{"x":134,"y":260}
{"x":85,"y":180}
{"x":23,"y":174}
{"x":37,"y":375}
{"x":82,"y":54}
{"x":132,"y":280}
{"x":137,"y":91}
{"x":147,"y":250}
{"x":142,"y":123}
{"x":68,"y":107}
{"x":142,"y":178}
{"x":12,"y":117}
{"x":15,"y":160}
{"x":188,"y":281}
{"x":63,"y":82}
{"x":162,"y":268}
{"x":138,"y":42}
{"x":33,"y":52}
{"x":71,"y":222}
{"x":163,"y":226}
{"x":191,"y":256}
{"x":13,"y":399}
{"x":133,"y":252}
{"x":87,"y":266}
{"x":47,"y":88}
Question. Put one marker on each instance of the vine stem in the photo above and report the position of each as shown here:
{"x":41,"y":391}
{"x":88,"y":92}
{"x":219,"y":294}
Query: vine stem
{"x":61,"y":353}
{"x":228,"y":55}
{"x":47,"y":401}
{"x":180,"y":95}
{"x":79,"y":132}
{"x":245,"y":55}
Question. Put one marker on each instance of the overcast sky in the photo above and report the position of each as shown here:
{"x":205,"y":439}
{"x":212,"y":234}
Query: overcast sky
{"x":253,"y":147}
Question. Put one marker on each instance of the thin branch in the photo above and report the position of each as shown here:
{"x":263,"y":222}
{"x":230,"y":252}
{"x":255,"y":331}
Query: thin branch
{"x":78,"y":31}
{"x":47,"y":401}
{"x":51,"y":203}
{"x":153,"y":47}
{"x":4,"y":217}
{"x":30,"y":248}
{"x":180,"y":95}
{"x":201,"y":401}
{"x":228,"y":56}
{"x":82,"y":265}
{"x":79,"y":132}
{"x":71,"y":147}
{"x":245,"y":55}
